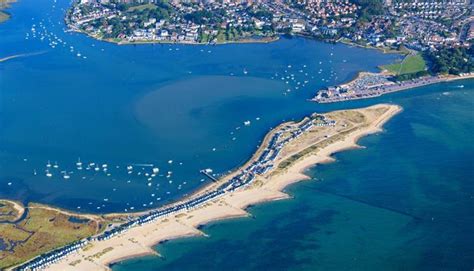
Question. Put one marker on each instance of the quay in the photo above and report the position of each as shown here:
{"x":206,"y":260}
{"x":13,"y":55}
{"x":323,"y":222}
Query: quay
{"x":375,"y":85}
{"x":205,"y":173}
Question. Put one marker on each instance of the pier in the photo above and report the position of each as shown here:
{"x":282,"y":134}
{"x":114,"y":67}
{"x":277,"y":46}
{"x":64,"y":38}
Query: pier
{"x":205,"y":172}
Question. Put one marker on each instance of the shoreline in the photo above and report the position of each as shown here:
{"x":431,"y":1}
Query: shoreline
{"x":247,"y":40}
{"x":4,"y":14}
{"x":140,"y":240}
{"x":427,"y":81}
{"x":17,"y":206}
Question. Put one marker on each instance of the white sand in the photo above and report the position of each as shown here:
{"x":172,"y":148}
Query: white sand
{"x":140,"y":240}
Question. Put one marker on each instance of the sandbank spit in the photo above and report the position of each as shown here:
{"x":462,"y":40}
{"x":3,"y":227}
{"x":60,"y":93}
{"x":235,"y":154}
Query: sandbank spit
{"x":313,"y":147}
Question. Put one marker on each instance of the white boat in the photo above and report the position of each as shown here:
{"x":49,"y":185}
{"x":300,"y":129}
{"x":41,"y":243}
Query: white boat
{"x":247,"y":123}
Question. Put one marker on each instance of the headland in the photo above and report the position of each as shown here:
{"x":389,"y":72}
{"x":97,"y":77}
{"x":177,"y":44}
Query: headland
{"x":369,"y":85}
{"x":285,"y":153}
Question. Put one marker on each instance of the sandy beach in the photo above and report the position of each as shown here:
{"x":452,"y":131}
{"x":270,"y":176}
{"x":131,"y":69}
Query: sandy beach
{"x":17,"y":206}
{"x":139,"y":241}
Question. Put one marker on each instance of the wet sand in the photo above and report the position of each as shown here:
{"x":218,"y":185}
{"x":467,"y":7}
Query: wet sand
{"x":140,"y":240}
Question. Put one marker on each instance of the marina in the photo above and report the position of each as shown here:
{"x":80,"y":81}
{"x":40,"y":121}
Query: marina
{"x":369,"y":85}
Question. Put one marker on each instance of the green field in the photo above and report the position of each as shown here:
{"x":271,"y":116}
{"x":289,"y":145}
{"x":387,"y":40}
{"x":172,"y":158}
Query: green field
{"x":410,"y":64}
{"x":8,"y":213}
{"x":40,"y":231}
{"x":142,"y":7}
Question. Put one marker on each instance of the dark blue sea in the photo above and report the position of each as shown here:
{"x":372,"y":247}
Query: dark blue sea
{"x":405,"y":202}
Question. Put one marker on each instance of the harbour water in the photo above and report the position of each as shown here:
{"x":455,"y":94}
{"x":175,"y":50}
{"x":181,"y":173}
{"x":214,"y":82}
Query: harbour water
{"x":124,"y":110}
{"x":404,"y":202}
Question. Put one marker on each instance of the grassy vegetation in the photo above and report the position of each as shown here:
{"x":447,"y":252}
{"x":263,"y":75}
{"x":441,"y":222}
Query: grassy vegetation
{"x":221,"y":36}
{"x":142,"y":7}
{"x":8,"y":213}
{"x":40,"y":231}
{"x":410,"y":64}
{"x":356,"y":119}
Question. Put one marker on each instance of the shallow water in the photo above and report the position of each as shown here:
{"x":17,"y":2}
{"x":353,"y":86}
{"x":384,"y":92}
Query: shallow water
{"x":404,"y":202}
{"x":141,"y":105}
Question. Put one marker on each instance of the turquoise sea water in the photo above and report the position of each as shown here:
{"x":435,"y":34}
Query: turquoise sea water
{"x":403,"y":203}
